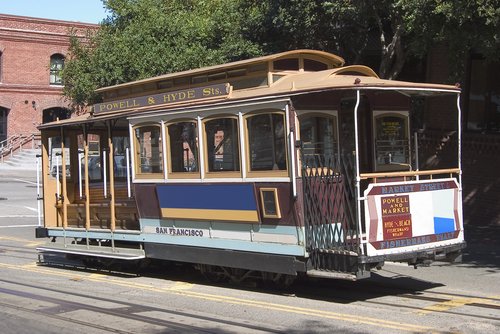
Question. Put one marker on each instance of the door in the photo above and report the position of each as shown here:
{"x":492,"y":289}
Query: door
{"x":328,"y":213}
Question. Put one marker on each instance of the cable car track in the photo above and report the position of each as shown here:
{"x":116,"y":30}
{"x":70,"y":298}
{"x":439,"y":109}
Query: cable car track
{"x":129,"y":311}
{"x":338,"y":296}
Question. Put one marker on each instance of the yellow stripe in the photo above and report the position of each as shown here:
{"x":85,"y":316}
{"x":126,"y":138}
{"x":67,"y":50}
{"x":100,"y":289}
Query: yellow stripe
{"x":452,"y":303}
{"x":377,"y":322}
{"x":232,"y":215}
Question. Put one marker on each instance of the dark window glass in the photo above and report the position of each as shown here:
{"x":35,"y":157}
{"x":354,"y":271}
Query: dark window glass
{"x":56,"y":67}
{"x":3,"y":123}
{"x":120,"y":145}
{"x":222,"y":145}
{"x":149,"y":149}
{"x":290,"y":64}
{"x":391,"y":141}
{"x":319,"y":137}
{"x":183,"y":139}
{"x":313,"y":65}
{"x":266,"y":138}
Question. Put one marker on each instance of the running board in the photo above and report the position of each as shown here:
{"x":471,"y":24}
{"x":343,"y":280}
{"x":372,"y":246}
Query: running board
{"x":96,"y":251}
{"x":336,"y":275}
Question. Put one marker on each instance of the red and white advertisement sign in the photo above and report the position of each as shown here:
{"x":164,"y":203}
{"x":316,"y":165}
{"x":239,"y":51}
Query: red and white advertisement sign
{"x":413,"y":215}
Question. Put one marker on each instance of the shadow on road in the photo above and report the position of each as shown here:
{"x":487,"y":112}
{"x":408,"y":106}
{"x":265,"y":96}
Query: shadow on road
{"x":483,"y":246}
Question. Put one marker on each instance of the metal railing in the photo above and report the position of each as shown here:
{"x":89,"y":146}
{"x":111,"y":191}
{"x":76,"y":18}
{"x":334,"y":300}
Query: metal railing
{"x":16,"y":143}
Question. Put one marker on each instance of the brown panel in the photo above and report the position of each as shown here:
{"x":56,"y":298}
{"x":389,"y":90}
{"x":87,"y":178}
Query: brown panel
{"x":147,"y":201}
{"x":285,"y":202}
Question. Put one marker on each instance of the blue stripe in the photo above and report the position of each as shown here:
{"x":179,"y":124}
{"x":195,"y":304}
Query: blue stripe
{"x":443,"y":225}
{"x":207,"y":196}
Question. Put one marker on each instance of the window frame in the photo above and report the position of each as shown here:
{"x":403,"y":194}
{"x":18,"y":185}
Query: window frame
{"x":182,"y":175}
{"x":55,"y":60}
{"x":331,"y":115}
{"x":221,"y":174}
{"x":403,"y":114}
{"x":137,"y":154}
{"x":266,"y":173}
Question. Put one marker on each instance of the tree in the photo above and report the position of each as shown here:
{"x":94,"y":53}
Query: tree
{"x":394,"y":30}
{"x":145,"y":38}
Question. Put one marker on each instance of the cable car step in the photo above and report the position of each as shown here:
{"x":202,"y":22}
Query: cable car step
{"x":338,"y":275}
{"x":98,"y":251}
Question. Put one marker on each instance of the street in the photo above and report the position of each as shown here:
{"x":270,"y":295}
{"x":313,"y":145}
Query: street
{"x":171,"y":298}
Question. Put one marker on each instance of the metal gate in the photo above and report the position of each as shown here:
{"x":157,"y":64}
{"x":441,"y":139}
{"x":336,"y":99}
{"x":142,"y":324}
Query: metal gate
{"x":332,"y":235}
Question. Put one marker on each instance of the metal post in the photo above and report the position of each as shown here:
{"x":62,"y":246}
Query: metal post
{"x":242,"y":146}
{"x":417,"y":167}
{"x":104,"y":166}
{"x":80,"y":178}
{"x":164,"y":149}
{"x":38,"y":157}
{"x":459,"y":142}
{"x":127,"y":157}
{"x":200,"y":144}
{"x":358,"y":179}
{"x":58,"y":189}
{"x":291,"y":143}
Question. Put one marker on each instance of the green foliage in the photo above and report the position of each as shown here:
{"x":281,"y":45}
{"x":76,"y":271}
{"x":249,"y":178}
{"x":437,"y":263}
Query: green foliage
{"x":391,"y":30}
{"x":145,"y":38}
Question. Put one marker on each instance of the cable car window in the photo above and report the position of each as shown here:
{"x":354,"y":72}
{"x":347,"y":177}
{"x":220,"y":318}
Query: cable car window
{"x":120,"y":146}
{"x":287,"y":64}
{"x":222,"y":145}
{"x":313,"y":65}
{"x":319,"y":138}
{"x":266,"y":141}
{"x":149,"y":153}
{"x":183,"y":147}
{"x":391,"y":142}
{"x":94,"y":156}
{"x":56,"y":162}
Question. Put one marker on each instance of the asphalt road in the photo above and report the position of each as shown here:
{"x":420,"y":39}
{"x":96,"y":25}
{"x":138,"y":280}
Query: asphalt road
{"x":168,"y":298}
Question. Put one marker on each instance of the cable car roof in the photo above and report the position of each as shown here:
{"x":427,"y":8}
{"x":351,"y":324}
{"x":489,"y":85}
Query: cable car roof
{"x":289,"y":83}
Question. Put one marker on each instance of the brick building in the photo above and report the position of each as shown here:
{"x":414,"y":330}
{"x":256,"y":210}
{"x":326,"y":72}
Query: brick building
{"x":480,"y":104}
{"x":32,"y":53}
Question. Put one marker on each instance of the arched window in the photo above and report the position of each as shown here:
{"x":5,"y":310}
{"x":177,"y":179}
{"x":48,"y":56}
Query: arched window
{"x":56,"y":67}
{"x":52,"y":114}
{"x":3,"y":123}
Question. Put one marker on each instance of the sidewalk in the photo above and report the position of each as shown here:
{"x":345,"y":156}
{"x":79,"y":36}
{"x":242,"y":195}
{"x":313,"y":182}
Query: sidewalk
{"x":7,"y":172}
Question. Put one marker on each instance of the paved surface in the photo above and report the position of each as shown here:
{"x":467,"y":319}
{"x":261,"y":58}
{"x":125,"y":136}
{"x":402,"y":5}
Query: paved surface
{"x":444,"y":298}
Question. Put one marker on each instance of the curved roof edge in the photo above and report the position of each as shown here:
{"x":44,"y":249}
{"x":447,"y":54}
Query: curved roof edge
{"x":337,"y":60}
{"x":355,"y":70}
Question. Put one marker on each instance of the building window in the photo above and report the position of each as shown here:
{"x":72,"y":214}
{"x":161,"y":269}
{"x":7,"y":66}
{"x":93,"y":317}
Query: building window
{"x":53,"y":114}
{"x":56,"y":67}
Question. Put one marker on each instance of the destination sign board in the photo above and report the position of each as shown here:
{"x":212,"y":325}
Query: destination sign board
{"x":182,"y":95}
{"x":413,"y":215}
